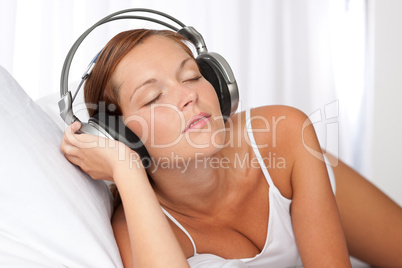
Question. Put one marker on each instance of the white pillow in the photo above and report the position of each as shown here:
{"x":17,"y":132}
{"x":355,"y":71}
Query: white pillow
{"x":52,"y":214}
{"x":49,"y":105}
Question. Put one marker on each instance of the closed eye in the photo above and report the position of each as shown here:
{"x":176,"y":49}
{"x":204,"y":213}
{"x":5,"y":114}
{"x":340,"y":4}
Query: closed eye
{"x":194,"y":79}
{"x":153,"y":100}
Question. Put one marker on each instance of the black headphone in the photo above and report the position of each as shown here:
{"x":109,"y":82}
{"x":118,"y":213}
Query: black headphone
{"x":212,"y":66}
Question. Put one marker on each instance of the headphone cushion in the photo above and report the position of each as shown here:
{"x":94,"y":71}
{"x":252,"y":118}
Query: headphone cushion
{"x":214,"y":76}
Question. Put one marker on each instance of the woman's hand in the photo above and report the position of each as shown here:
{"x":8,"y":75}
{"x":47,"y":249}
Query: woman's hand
{"x":97,"y":156}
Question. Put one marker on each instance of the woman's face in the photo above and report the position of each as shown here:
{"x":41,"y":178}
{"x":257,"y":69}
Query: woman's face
{"x":166,"y":101}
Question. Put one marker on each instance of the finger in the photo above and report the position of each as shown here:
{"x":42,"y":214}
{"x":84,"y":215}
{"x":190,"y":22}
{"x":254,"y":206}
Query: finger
{"x":69,"y":149}
{"x":73,"y":159}
{"x":75,"y":126}
{"x":79,"y":140}
{"x":80,"y":164}
{"x":69,"y":132}
{"x":65,"y":143}
{"x":70,"y":135}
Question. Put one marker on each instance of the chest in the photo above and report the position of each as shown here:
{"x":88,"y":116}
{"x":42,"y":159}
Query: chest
{"x":238,"y":230}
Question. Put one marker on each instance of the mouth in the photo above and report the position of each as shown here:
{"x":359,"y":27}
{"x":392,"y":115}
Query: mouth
{"x":197,"y":121}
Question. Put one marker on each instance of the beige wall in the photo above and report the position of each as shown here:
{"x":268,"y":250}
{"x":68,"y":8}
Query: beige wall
{"x":387,"y":122}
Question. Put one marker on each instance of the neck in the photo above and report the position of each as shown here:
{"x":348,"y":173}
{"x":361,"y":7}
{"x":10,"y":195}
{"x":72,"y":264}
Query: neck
{"x":194,"y":186}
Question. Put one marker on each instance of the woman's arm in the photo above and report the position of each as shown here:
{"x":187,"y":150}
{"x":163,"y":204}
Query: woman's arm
{"x":153,"y":243}
{"x":370,"y":219}
{"x":314,"y":212}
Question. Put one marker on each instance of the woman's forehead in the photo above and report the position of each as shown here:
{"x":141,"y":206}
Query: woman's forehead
{"x":154,"y":51}
{"x":154,"y":54}
{"x":158,"y":45}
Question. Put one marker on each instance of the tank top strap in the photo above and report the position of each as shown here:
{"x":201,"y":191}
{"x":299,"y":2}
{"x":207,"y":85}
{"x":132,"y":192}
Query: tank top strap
{"x":257,"y":153}
{"x":181,"y":227}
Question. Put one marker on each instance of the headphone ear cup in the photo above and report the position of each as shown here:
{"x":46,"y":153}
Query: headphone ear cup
{"x":115,"y":127}
{"x":214,"y":76}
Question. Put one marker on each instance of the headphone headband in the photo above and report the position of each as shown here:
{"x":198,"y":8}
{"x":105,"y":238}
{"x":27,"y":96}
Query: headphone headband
{"x":65,"y":104}
{"x":188,"y":32}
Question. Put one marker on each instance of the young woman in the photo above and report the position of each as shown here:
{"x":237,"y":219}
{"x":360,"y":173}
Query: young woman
{"x":242,"y":193}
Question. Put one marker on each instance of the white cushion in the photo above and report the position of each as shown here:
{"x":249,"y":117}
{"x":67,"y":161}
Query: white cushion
{"x":52,"y":214}
{"x":48,"y":103}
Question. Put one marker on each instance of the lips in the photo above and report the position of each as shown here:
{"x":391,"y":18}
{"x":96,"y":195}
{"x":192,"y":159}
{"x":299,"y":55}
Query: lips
{"x":197,"y":121}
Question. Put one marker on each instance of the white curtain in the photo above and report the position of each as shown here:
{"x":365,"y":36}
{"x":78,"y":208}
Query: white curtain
{"x":305,"y":53}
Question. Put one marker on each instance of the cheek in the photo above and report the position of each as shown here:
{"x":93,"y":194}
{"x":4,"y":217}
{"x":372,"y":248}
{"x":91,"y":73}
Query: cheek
{"x":159,"y":127}
{"x":166,"y":126}
{"x":208,"y":92}
{"x":210,"y":99}
{"x":139,"y":125}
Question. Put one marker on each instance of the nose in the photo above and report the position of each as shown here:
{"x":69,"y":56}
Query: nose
{"x":187,"y":97}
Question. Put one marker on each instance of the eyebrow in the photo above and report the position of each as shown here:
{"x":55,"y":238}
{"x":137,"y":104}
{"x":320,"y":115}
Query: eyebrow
{"x":149,"y":81}
{"x":153,"y":80}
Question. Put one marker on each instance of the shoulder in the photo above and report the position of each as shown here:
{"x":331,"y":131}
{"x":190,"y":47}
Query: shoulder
{"x":276,"y":113}
{"x":278,"y":135}
{"x":277,"y":126}
{"x":271,"y":118}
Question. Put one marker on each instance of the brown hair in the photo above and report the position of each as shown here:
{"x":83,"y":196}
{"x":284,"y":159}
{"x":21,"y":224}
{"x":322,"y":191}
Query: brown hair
{"x":99,"y":87}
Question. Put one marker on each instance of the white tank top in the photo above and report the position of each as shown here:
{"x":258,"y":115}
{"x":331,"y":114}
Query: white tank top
{"x":280,"y":248}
